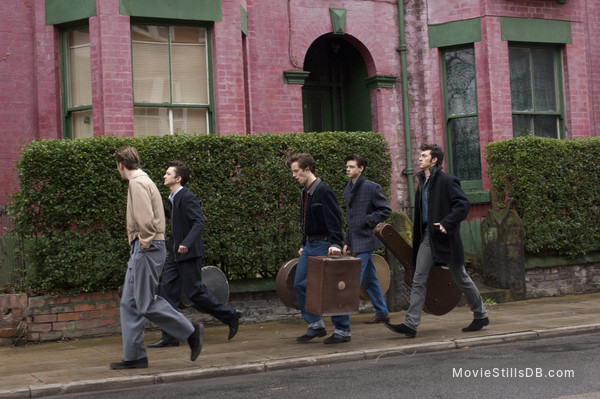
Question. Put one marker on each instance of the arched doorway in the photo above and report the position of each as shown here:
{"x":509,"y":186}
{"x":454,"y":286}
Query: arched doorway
{"x":335,"y":94}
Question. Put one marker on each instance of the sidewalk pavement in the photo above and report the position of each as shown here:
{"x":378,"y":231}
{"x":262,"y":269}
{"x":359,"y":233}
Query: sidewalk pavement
{"x":39,"y":370}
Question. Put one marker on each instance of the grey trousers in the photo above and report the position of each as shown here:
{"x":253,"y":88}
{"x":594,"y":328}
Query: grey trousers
{"x":139,"y":301}
{"x":419,"y":288}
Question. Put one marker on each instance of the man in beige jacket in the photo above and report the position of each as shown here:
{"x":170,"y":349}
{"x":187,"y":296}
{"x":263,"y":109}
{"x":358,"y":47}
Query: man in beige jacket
{"x":146,"y":234}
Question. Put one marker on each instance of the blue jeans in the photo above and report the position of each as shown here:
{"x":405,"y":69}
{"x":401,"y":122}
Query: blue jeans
{"x":419,"y":287}
{"x":368,"y":278}
{"x":341,"y":323}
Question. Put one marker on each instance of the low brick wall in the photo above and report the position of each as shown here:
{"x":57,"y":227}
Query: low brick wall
{"x":42,"y":318}
{"x":13,"y":317}
{"x":562,"y":280}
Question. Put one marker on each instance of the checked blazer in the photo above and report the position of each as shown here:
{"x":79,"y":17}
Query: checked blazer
{"x":366,"y":206}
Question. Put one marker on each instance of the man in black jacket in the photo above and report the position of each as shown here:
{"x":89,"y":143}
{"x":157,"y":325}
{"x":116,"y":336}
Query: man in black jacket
{"x":183,"y":266}
{"x":321,"y":220}
{"x":440,"y":206}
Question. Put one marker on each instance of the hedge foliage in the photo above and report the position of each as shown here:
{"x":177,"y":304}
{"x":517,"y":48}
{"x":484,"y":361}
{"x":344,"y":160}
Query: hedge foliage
{"x":552,"y":185}
{"x":72,"y":200}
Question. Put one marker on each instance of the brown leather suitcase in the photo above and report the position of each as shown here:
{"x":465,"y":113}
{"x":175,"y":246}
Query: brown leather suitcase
{"x":333,"y":285}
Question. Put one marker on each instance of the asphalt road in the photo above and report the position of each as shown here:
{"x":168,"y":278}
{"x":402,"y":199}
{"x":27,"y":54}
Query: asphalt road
{"x":565,"y":367}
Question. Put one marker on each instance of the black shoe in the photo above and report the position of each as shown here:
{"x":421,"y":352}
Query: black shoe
{"x":130,"y":364}
{"x":477,"y":324}
{"x":234,"y":324}
{"x":195,"y":341}
{"x":337,"y":339}
{"x":402,"y":329}
{"x":321,"y":332}
{"x":163,"y":342}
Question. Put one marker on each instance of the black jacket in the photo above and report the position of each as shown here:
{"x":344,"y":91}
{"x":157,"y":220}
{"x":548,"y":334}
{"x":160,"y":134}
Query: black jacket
{"x":187,"y":223}
{"x":323,"y":214}
{"x":447,"y":204}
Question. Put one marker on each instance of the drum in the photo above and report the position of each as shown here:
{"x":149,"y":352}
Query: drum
{"x":216,"y":281}
{"x":284,"y":284}
{"x":382,"y":270}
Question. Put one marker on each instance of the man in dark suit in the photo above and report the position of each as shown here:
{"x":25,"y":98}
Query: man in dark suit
{"x":440,"y":206}
{"x":184,"y":263}
{"x":366,"y":206}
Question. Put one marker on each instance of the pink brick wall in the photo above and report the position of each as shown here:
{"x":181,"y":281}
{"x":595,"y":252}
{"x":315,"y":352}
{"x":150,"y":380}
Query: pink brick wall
{"x":250,"y":95}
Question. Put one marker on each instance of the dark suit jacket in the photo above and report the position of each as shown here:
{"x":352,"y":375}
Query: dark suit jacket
{"x":447,"y":204}
{"x":187,"y":223}
{"x":366,"y":206}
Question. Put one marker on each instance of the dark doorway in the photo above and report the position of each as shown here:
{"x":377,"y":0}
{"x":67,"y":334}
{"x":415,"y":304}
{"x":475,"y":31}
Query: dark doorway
{"x":335,"y":96}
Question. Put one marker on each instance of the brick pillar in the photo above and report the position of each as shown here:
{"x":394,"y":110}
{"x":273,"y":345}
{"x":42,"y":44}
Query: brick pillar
{"x":503,"y":242}
{"x":112,"y":87}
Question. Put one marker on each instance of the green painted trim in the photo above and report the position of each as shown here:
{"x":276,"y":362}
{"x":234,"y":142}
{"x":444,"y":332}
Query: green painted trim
{"x":535,"y":30}
{"x":252,"y":285}
{"x":381,"y":81}
{"x":454,"y":33}
{"x":338,"y":20}
{"x":244,"y":14}
{"x":62,"y":11}
{"x":562,"y":1}
{"x":191,"y":10}
{"x":532,"y":262}
{"x":294,"y":77}
{"x":479,"y":196}
{"x":470,"y":233}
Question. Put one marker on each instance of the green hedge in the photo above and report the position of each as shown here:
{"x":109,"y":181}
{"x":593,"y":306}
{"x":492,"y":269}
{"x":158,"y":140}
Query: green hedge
{"x":552,"y":185}
{"x":71,"y":202}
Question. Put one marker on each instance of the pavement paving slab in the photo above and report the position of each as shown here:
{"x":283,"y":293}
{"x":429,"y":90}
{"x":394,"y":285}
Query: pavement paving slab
{"x":45,"y":369}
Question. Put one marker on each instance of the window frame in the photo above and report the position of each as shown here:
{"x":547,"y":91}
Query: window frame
{"x":68,"y":110}
{"x":209,"y":67}
{"x":468,"y":185}
{"x":558,"y":68}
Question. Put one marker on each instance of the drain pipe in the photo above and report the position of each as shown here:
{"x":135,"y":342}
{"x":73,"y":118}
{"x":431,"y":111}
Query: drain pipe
{"x":408,"y":171}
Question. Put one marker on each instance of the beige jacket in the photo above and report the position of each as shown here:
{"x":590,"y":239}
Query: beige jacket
{"x":145,"y":212}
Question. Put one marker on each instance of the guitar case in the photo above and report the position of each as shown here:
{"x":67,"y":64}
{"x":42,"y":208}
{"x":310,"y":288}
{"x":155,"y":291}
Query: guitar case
{"x":442,"y":293}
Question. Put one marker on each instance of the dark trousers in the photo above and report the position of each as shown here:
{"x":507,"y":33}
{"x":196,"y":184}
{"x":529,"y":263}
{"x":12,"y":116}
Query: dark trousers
{"x":187,"y":275}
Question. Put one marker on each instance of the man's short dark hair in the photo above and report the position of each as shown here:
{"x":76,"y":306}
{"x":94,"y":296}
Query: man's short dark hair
{"x":129,"y":157}
{"x":436,"y":152}
{"x":304,"y":159}
{"x":181,"y":170}
{"x":359,"y":159}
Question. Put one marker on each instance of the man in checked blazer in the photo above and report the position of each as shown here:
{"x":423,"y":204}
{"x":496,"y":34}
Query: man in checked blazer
{"x":366,"y":206}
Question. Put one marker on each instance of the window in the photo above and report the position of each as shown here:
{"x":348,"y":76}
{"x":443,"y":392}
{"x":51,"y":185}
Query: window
{"x":78,"y":78}
{"x":170,"y":80}
{"x":535,"y":91}
{"x":462,"y":121}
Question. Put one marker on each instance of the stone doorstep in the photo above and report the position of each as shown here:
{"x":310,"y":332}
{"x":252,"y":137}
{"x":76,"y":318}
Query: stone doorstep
{"x":498,"y":295}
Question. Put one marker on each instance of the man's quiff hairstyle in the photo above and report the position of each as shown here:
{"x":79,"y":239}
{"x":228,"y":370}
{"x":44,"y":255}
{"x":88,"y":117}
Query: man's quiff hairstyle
{"x":129,"y":157}
{"x":436,"y":152}
{"x":304,"y":159}
{"x":181,"y":170}
{"x":359,"y":159}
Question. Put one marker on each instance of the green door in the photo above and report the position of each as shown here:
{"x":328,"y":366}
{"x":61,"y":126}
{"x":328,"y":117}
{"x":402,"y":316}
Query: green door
{"x":335,"y":95}
{"x":317,"y":109}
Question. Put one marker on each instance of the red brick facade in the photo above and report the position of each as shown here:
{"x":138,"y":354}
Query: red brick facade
{"x":250,"y":95}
